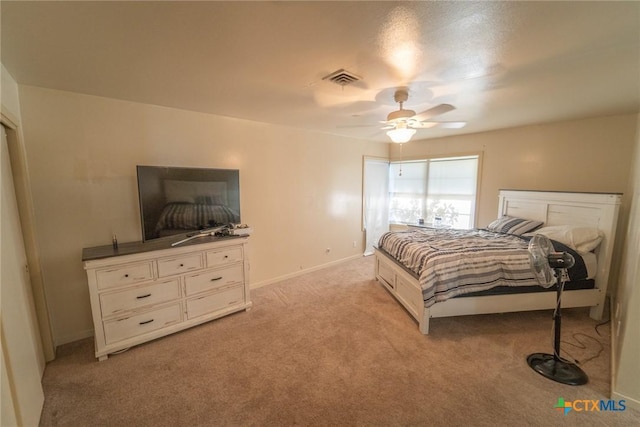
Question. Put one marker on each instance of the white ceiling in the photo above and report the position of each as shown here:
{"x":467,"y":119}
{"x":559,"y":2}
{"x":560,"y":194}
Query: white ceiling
{"x":501,"y":64}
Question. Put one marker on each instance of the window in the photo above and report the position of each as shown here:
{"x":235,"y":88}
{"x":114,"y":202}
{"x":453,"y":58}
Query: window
{"x":443,"y":188}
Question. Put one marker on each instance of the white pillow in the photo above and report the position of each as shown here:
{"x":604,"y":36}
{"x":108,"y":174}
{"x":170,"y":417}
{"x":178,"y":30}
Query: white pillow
{"x":581,"y":239}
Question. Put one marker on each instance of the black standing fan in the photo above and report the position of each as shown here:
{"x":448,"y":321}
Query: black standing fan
{"x":550,"y":267}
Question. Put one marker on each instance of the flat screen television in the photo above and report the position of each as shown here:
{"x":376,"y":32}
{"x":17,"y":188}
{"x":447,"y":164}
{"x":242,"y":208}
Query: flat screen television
{"x":179,"y":200}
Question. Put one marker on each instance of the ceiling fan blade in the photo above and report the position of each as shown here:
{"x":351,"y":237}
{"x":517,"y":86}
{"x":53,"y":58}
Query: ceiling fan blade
{"x":445,"y":125}
{"x":452,"y":125}
{"x":434,"y":111}
{"x":356,"y":126}
{"x":422,"y":125}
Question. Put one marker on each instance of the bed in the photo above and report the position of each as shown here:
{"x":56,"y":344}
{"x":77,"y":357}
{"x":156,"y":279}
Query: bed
{"x":412,"y":287}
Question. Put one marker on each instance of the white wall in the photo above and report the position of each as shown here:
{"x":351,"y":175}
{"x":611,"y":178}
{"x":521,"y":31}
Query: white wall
{"x":626,"y":320}
{"x":300,"y":191}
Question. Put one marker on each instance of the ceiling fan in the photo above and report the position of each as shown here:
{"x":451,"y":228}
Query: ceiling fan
{"x":401,"y":124}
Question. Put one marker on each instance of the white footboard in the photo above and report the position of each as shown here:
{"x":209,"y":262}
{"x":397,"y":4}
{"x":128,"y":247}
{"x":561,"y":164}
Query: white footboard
{"x":405,"y":288}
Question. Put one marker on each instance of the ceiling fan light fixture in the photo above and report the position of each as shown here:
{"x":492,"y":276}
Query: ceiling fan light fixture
{"x":401,"y":135}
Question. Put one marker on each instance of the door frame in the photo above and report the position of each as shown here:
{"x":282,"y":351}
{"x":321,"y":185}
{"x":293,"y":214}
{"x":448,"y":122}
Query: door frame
{"x":20,"y":172}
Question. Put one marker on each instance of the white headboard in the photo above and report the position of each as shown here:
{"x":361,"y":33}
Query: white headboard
{"x":598,"y":210}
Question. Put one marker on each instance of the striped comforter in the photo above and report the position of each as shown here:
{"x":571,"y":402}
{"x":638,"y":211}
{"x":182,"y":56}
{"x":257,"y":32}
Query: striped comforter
{"x":455,"y":262}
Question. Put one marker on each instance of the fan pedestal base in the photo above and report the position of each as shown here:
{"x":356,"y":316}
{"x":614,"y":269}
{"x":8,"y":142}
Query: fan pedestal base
{"x":556,"y":369}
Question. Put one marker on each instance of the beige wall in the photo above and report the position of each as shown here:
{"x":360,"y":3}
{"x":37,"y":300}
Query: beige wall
{"x":598,"y":155}
{"x":626,"y":318}
{"x":591,"y":155}
{"x":9,"y":94}
{"x":300,"y":191}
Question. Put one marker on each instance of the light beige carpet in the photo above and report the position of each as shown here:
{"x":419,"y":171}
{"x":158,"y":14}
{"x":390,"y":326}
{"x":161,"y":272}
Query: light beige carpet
{"x":332,"y":347}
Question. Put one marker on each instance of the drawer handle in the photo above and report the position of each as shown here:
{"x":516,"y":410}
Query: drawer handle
{"x":143,"y":296}
{"x":145,"y":322}
{"x":181,"y":265}
{"x":216,"y":278}
{"x":126,"y":275}
{"x":226,"y":256}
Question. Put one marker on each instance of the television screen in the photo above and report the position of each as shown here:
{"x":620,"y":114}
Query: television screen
{"x":177,"y":200}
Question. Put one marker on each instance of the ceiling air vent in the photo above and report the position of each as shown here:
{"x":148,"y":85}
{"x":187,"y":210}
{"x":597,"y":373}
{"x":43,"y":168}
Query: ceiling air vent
{"x":342,"y":77}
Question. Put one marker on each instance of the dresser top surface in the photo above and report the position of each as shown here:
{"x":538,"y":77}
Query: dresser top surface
{"x":131,"y":248}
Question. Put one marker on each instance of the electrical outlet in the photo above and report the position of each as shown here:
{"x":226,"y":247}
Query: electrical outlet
{"x":354,"y":244}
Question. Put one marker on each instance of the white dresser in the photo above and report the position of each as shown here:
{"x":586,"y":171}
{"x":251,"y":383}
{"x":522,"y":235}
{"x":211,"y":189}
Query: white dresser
{"x":143,"y":291}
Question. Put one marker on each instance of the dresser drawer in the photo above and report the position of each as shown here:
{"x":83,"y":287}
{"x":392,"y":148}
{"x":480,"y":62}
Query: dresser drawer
{"x":212,"y":279}
{"x":217,"y":301}
{"x":224,"y":256}
{"x":124,"y":275}
{"x":121,"y":329}
{"x":120,"y":302}
{"x":179,"y":265}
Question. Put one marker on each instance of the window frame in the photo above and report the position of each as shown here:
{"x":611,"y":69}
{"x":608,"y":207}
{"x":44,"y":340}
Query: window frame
{"x":450,"y":156}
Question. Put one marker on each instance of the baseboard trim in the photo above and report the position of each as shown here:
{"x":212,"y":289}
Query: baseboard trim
{"x":89,"y":332}
{"x":304,"y":271}
{"x":74,"y":337}
{"x":629,"y":401}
